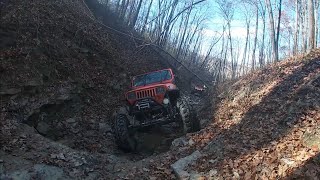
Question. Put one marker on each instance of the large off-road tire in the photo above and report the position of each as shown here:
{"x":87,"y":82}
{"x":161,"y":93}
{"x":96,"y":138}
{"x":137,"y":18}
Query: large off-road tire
{"x":188,"y":116}
{"x":124,"y":139}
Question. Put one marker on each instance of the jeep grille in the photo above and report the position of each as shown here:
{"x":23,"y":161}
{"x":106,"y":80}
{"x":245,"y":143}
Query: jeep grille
{"x":146,"y":93}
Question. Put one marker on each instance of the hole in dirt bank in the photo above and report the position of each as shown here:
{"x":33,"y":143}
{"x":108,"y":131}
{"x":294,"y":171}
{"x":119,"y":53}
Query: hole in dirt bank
{"x":49,"y":119}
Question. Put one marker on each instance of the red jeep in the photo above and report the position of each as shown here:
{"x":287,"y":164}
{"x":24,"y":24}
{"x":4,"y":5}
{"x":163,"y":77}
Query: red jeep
{"x":154,"y":99}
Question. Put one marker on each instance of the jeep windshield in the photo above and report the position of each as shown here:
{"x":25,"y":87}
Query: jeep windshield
{"x":150,"y":78}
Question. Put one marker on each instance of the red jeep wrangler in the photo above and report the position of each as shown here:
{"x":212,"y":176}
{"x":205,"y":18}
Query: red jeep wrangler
{"x":154,"y":99}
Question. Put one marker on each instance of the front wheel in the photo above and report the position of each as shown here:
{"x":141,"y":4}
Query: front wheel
{"x":124,"y":139}
{"x":188,"y":116}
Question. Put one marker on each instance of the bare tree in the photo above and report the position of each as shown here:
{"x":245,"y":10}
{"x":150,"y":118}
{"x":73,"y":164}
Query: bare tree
{"x":253,"y":58}
{"x":227,"y":11}
{"x":146,"y":18}
{"x":311,"y":25}
{"x":135,"y":17}
{"x":317,"y":10}
{"x":297,"y":27}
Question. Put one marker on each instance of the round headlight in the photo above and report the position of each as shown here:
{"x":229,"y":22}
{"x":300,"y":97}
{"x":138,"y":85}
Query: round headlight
{"x":166,"y":101}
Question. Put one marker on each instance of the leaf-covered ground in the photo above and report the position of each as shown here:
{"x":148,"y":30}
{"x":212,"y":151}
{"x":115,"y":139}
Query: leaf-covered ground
{"x":59,"y":68}
{"x":263,"y":123}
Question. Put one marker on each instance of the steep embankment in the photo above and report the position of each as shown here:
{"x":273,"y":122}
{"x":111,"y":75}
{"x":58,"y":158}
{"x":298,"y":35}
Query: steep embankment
{"x":62,"y":72}
{"x":62,"y":75}
{"x":266,"y":125}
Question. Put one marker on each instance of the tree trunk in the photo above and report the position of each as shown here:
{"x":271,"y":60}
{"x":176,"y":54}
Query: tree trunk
{"x":184,"y":32}
{"x":233,"y":63}
{"x":244,"y":57}
{"x":311,"y":25}
{"x":130,"y":14}
{"x":134,"y":20}
{"x":168,"y":24}
{"x":317,"y":9}
{"x":262,"y":46}
{"x":278,"y":28}
{"x":123,"y":9}
{"x":146,"y":18}
{"x":253,"y":58}
{"x":272,"y":31}
{"x":296,"y":34}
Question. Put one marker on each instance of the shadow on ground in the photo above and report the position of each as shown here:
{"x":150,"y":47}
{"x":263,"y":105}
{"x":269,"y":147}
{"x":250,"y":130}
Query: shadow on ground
{"x":286,"y":106}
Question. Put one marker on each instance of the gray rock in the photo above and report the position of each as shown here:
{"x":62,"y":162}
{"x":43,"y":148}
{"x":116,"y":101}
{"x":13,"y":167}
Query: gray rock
{"x":92,"y":176}
{"x":123,"y":75}
{"x":43,"y":128}
{"x":71,"y":120}
{"x":213,"y":173}
{"x":104,"y":127}
{"x":75,"y":130}
{"x":216,"y":147}
{"x":312,"y":139}
{"x":287,"y":161}
{"x":78,"y":163}
{"x":90,"y":133}
{"x":48,"y":172}
{"x":117,"y":87}
{"x":84,"y":50}
{"x":196,"y":176}
{"x":1,"y":169}
{"x":145,"y":169}
{"x":236,"y":175}
{"x":64,"y":97}
{"x":61,"y":156}
{"x":213,"y":161}
{"x":21,"y":175}
{"x":10,"y":91}
{"x":180,"y":165}
{"x":179,"y":142}
{"x":191,"y":142}
{"x":41,"y":171}
{"x":33,"y":83}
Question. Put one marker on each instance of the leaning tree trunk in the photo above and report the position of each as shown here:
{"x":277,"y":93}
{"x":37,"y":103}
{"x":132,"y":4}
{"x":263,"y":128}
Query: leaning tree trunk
{"x":272,"y":31}
{"x":262,"y":49}
{"x":146,"y":18}
{"x":278,"y":28}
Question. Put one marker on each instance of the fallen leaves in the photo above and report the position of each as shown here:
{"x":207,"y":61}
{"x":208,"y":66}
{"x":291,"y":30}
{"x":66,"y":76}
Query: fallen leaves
{"x":267,"y":139}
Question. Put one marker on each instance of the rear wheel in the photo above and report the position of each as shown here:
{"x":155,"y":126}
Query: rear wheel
{"x":124,"y":139}
{"x":188,"y":116}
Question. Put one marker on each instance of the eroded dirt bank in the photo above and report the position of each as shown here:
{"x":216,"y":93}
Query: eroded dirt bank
{"x":61,"y":77}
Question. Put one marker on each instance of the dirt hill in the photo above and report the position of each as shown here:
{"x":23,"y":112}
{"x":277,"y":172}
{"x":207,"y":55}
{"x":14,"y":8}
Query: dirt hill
{"x":57,"y":64}
{"x":62,"y":75}
{"x":266,"y":125}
